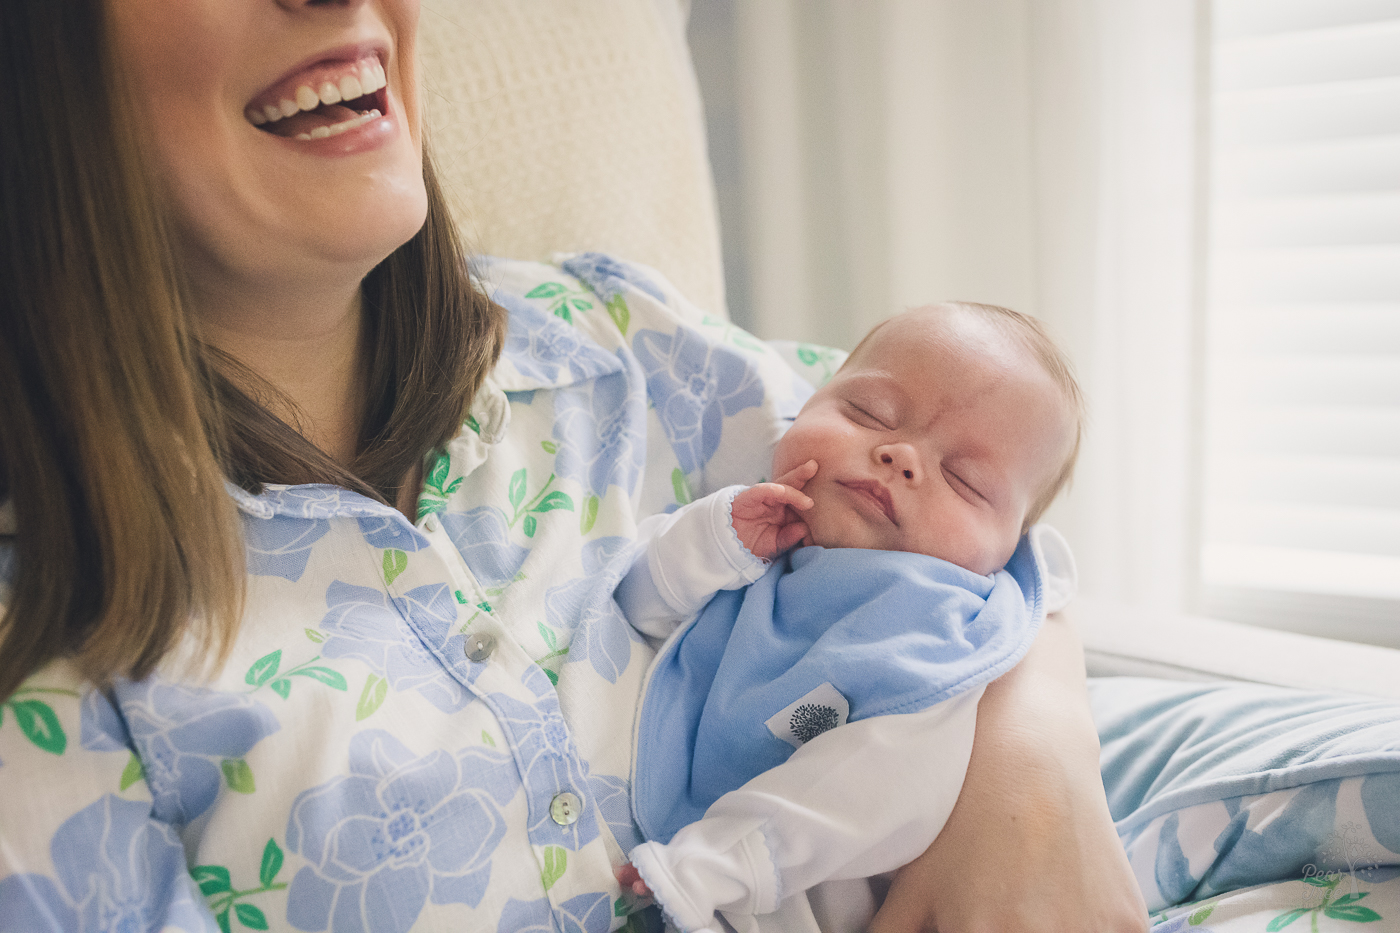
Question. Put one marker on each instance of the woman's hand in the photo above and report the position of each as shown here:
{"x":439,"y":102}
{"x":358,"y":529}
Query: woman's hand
{"x":765,"y":516}
{"x":1030,"y":845}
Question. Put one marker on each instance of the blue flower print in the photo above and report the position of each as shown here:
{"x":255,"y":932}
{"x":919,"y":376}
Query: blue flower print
{"x":695,"y":386}
{"x":548,"y":760}
{"x":1378,"y":795}
{"x":601,"y":435}
{"x":185,"y":736}
{"x":119,"y":870}
{"x":318,"y":501}
{"x":481,"y":537}
{"x":397,"y":832}
{"x":585,"y":608}
{"x":280,"y":546}
{"x":100,"y":726}
{"x":586,"y":913}
{"x":606,"y":276}
{"x":542,"y":347}
{"x":614,"y":800}
{"x":363,"y":623}
{"x":391,"y":531}
{"x":526,"y":917}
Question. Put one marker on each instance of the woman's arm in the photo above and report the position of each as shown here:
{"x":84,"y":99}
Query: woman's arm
{"x":1030,"y":844}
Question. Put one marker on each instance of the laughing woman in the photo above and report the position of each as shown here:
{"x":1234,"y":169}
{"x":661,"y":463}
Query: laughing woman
{"x":309,"y":531}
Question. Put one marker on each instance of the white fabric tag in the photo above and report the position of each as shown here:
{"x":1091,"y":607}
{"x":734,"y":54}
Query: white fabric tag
{"x":821,"y":709}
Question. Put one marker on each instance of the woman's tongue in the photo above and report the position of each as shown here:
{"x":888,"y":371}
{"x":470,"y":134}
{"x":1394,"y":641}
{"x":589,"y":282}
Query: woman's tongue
{"x":308,"y":120}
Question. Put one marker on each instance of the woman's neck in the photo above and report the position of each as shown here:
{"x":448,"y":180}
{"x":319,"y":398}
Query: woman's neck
{"x":312,"y":353}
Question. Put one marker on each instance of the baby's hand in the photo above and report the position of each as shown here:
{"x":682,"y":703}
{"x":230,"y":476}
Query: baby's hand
{"x":631,"y":880}
{"x":765,"y":516}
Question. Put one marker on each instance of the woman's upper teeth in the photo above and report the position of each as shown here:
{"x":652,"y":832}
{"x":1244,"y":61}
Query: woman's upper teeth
{"x":366,"y":79}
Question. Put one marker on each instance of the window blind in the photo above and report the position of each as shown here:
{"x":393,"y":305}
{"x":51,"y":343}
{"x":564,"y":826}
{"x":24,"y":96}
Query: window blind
{"x":1301,"y":390}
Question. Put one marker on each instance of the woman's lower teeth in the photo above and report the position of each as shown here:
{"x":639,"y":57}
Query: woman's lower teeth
{"x":335,"y":129}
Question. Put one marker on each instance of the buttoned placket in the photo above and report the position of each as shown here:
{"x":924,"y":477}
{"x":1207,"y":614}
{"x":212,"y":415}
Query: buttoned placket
{"x":481,"y":653}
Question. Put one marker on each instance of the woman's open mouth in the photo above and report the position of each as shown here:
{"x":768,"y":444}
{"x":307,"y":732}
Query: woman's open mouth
{"x":324,"y":101}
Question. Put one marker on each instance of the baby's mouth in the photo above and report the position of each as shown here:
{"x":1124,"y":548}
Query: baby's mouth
{"x":325,"y":101}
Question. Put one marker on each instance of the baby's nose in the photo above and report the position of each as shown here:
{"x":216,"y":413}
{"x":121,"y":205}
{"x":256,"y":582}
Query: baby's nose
{"x":903,"y":458}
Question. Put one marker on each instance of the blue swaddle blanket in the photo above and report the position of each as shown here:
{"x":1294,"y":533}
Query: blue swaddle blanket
{"x":826,"y":636}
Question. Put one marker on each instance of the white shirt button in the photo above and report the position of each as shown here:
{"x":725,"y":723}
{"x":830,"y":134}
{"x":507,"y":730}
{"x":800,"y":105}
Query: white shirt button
{"x":565,"y":808}
{"x":480,"y":646}
{"x":430,"y":524}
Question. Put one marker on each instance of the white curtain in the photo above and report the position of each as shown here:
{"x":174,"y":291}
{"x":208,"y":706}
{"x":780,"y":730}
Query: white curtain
{"x":1034,"y":153}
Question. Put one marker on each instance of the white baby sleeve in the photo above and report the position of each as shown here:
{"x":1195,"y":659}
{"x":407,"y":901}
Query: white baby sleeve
{"x":858,"y":800}
{"x":686,"y":557}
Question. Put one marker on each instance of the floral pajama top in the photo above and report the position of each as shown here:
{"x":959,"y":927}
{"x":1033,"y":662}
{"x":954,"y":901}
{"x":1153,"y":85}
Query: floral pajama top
{"x":422,"y":726}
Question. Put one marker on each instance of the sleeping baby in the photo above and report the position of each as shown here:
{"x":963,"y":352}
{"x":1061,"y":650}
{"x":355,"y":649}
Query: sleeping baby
{"x":810,"y":723}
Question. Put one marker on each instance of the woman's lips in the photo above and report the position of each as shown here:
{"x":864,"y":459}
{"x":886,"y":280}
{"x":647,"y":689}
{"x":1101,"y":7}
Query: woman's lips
{"x":875,"y":492}
{"x":324,"y":100}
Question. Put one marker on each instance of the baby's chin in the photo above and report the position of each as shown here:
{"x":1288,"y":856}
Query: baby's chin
{"x":837,"y":541}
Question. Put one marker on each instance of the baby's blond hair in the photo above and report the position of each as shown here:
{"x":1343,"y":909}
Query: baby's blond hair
{"x":1030,"y":334}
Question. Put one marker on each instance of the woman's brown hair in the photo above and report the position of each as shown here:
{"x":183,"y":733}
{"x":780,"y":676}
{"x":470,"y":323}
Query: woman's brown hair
{"x":117,"y":426}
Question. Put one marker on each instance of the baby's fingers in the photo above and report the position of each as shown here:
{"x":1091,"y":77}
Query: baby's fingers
{"x":797,"y":477}
{"x":791,"y":535}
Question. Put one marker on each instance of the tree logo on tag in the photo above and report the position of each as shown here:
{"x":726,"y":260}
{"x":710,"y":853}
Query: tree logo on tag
{"x":818,"y":711}
{"x":810,"y":720}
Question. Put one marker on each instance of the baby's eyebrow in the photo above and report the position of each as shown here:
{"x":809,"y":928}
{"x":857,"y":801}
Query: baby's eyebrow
{"x":874,"y":378}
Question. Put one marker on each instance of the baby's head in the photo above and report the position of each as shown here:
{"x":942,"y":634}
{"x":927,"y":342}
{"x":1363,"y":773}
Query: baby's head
{"x":948,"y":432}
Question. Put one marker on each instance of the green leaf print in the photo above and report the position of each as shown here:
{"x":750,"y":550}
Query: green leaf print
{"x":395,"y":563}
{"x":372,"y":697}
{"x":263,"y":669}
{"x":547,"y":634}
{"x":333,"y":679}
{"x":550,"y":447}
{"x":589,"y":516}
{"x":216,"y":884}
{"x":474,"y":424}
{"x":1283,"y":920}
{"x":807,"y":355}
{"x":1200,"y":916}
{"x":1320,"y":881}
{"x":437,"y":475}
{"x":529,"y":526}
{"x":211,"y":879}
{"x":555,"y":861}
{"x":314,"y":635}
{"x":250,"y":916}
{"x":271,"y":863}
{"x":617,"y":310}
{"x":555,"y":500}
{"x":1353,"y":912}
{"x":553,"y":677}
{"x":546,"y":290}
{"x":486,"y":738}
{"x":39,"y":724}
{"x":282,"y":687}
{"x":517,"y":488}
{"x":132,"y":773}
{"x":681,"y":487}
{"x":620,"y":907}
{"x":238,"y":775}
